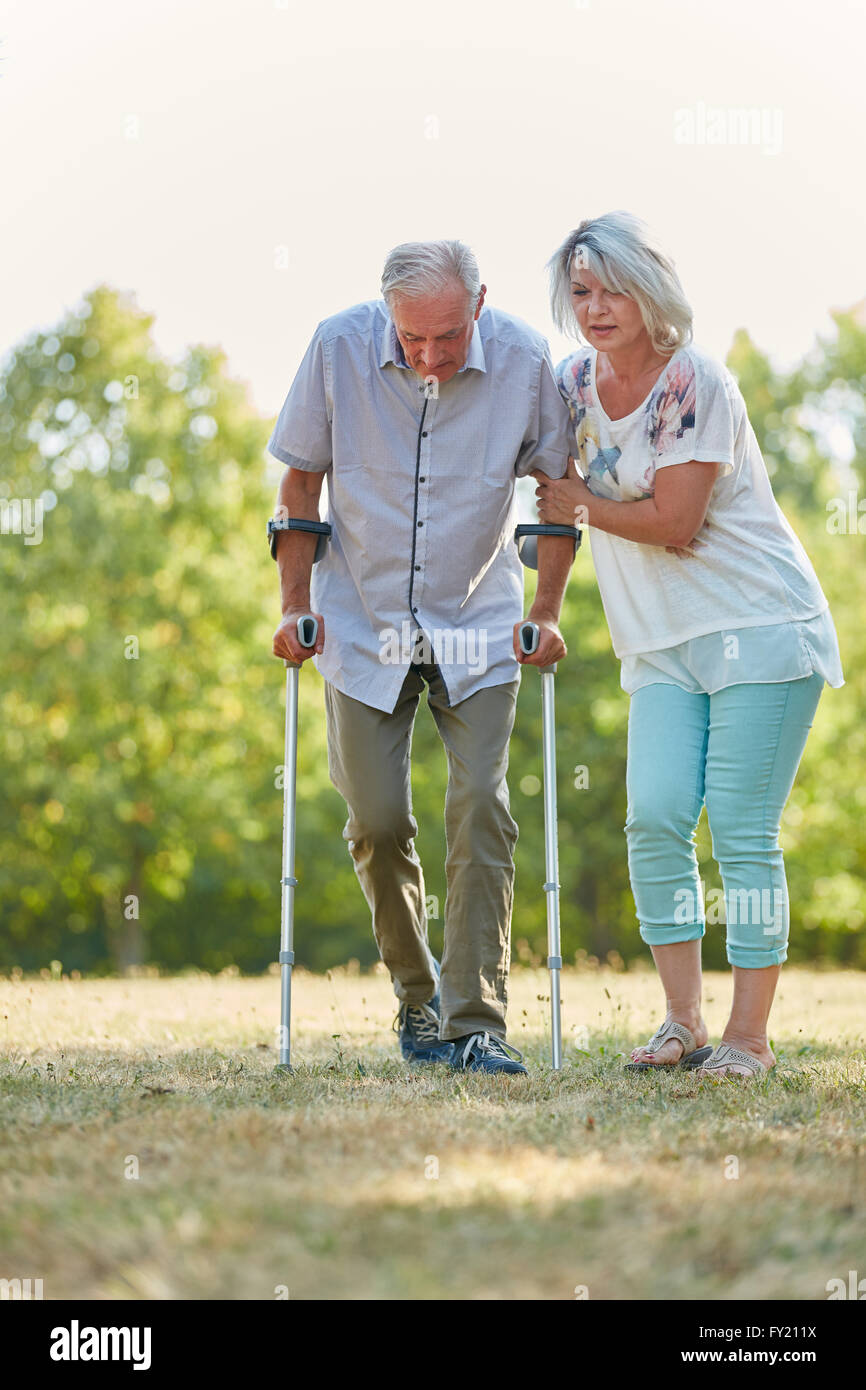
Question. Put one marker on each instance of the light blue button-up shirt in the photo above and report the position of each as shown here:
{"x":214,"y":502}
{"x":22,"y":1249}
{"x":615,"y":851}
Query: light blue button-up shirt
{"x":420,"y":496}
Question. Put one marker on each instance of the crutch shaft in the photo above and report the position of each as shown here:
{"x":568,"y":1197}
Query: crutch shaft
{"x":287,"y":917}
{"x":551,"y":887}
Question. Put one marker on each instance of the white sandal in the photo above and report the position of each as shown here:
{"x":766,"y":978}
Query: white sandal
{"x":693,"y":1056}
{"x":726,"y":1056}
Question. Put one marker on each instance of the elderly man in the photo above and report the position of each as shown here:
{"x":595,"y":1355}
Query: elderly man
{"x":421,"y":409}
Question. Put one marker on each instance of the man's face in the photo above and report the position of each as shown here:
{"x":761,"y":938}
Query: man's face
{"x":435,"y":332}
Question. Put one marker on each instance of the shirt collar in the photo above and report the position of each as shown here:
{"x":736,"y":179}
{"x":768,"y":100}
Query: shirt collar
{"x":391,"y":350}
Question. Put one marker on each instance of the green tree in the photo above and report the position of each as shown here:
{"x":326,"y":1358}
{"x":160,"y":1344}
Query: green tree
{"x":138,"y":734}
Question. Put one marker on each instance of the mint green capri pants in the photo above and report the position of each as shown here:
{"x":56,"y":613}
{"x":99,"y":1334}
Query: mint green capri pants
{"x":738,"y":750}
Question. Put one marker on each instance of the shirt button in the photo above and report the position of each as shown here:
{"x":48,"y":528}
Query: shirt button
{"x":420,"y":523}
{"x":414,"y":610}
{"x":417,"y":567}
{"x":422,"y":480}
{"x":424,"y":434}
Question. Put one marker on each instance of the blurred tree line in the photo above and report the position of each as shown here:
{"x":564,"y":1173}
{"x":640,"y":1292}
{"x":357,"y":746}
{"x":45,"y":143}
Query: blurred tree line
{"x":142,"y":712}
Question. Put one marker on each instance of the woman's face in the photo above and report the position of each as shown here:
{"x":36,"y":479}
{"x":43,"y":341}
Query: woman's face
{"x":607,"y":320}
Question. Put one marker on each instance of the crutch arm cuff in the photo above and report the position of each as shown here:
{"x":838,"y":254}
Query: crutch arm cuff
{"x":526,"y":537}
{"x":297,"y":523}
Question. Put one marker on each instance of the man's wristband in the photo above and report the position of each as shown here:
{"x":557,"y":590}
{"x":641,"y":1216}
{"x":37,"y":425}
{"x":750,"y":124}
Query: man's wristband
{"x":292,"y":523}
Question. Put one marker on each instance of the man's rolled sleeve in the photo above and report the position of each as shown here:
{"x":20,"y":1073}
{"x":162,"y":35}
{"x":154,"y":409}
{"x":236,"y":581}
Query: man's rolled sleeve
{"x":548,"y":440}
{"x":302,"y":434}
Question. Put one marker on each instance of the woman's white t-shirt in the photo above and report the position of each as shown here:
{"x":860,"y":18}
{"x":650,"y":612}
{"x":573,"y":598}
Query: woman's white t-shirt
{"x":750,"y":569}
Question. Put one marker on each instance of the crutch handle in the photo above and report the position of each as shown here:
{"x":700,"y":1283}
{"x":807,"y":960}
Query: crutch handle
{"x":308,"y":631}
{"x":529,"y":635}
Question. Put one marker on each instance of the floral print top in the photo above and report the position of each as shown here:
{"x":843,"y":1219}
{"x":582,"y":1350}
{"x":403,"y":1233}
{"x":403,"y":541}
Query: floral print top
{"x":619,"y":458}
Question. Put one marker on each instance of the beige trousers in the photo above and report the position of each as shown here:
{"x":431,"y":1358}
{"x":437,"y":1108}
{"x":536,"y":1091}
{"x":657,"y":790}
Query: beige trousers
{"x":368,"y":758}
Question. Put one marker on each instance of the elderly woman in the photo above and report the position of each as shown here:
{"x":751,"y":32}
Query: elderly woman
{"x":714,"y":609}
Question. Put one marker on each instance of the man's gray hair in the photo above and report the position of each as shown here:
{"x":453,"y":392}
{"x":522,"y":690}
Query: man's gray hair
{"x":418,"y":268}
{"x":619,"y":250}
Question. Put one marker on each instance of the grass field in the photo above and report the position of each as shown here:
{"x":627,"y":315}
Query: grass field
{"x":149,"y":1151}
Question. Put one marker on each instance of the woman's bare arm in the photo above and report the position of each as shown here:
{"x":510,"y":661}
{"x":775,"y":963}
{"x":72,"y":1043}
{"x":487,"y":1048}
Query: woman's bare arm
{"x":671,"y":517}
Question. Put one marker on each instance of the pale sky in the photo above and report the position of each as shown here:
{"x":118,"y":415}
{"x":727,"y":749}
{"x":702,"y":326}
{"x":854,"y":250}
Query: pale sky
{"x":243,"y":167}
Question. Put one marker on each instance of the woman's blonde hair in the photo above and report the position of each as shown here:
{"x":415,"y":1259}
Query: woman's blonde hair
{"x":621,"y":252}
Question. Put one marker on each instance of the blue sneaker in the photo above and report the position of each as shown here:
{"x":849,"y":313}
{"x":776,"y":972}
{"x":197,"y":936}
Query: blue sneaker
{"x":419,"y":1030}
{"x":482,"y":1052}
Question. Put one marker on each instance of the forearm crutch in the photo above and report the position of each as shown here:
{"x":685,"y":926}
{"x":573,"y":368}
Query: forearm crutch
{"x":308,"y":631}
{"x":528,"y":636}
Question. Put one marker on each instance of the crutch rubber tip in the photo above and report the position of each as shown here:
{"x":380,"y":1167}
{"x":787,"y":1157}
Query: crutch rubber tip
{"x":284,"y":1068}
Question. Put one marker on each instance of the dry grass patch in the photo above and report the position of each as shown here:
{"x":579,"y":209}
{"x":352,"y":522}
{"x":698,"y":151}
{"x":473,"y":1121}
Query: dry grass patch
{"x":359,"y":1178}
